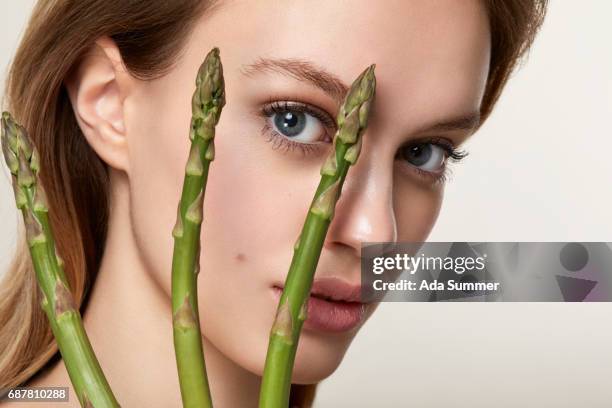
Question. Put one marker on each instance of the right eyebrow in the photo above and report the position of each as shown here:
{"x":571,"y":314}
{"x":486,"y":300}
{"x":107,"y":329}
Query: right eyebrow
{"x":302,"y":70}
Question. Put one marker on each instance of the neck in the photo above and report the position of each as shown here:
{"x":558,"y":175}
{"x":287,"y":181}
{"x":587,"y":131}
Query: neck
{"x":129,"y":323}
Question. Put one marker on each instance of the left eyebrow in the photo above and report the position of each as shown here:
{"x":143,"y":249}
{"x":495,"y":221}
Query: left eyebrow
{"x":469,"y":122}
{"x":302,"y":70}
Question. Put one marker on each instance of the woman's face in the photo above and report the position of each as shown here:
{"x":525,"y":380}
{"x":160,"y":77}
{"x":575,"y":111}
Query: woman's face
{"x":286,"y":65}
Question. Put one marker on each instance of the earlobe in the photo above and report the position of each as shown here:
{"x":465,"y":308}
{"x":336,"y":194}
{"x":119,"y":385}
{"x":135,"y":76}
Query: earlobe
{"x":97,"y":88}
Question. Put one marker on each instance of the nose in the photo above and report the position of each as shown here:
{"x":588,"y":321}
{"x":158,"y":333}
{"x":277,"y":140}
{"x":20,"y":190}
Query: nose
{"x":364,"y":212}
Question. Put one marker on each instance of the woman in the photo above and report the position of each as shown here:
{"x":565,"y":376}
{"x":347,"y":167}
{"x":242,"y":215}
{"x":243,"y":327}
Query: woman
{"x":104,"y":88}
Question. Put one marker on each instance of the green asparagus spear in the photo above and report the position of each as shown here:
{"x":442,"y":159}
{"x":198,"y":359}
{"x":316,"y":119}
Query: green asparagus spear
{"x":64,"y":317}
{"x":291,"y":313}
{"x":207,"y":103}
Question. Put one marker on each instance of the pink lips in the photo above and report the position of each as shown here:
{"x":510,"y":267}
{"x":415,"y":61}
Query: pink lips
{"x":333,"y":306}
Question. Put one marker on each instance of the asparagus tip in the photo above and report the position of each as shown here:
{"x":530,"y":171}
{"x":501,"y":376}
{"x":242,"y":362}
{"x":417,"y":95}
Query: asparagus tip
{"x":368,"y":83}
{"x":211,"y":65}
{"x":10,"y":158}
{"x":209,"y":97}
{"x":353,"y":115}
{"x":7,"y":132}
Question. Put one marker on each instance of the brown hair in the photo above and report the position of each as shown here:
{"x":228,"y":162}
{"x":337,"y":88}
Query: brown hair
{"x":150,"y":38}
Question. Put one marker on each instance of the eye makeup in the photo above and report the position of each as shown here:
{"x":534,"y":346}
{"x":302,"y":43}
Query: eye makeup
{"x":437,"y":175}
{"x":284,"y":143}
{"x":281,"y":107}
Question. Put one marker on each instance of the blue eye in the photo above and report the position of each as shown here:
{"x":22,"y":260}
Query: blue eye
{"x":290,"y":123}
{"x":298,"y":126}
{"x":425,"y":156}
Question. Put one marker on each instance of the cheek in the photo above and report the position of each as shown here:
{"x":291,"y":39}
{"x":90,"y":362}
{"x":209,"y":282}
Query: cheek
{"x":158,"y":151}
{"x":416,"y":209}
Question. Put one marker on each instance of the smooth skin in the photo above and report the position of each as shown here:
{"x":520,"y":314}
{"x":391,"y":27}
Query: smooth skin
{"x":432,"y":63}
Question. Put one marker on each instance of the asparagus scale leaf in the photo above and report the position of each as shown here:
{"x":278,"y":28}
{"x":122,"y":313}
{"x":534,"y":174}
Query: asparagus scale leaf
{"x":85,"y":372}
{"x":292,"y":308}
{"x":207,"y":103}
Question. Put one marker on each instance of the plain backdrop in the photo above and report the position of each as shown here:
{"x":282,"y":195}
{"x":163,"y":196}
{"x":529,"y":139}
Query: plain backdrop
{"x":539,"y":170}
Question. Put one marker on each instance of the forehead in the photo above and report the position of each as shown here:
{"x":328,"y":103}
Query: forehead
{"x":432,"y":52}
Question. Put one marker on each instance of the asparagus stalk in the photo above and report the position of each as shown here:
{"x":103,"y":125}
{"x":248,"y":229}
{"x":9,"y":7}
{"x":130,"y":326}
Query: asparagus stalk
{"x":58,"y":303}
{"x":207,"y":103}
{"x":292,"y":308}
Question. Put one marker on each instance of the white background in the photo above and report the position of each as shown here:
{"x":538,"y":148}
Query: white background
{"x":539,"y":170}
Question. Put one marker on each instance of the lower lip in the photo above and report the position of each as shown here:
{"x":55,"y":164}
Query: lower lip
{"x":330,"y":316}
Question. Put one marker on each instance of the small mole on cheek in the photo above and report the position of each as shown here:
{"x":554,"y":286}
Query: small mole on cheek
{"x":240,"y":257}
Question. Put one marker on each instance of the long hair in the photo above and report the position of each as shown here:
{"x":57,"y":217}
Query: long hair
{"x":150,"y":35}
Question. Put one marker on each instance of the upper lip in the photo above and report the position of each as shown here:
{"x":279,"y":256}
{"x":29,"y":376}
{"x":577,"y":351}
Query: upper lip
{"x":335,"y":289}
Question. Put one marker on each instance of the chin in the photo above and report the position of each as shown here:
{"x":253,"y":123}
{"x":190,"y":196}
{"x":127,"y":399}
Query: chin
{"x":311,"y":371}
{"x":318,"y":356}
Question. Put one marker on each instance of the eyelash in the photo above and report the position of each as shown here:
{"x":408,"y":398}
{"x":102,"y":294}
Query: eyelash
{"x":452,"y":154}
{"x":282,"y":143}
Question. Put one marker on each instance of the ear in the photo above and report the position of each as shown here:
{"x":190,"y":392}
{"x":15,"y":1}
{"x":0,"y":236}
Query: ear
{"x":97,"y":88}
